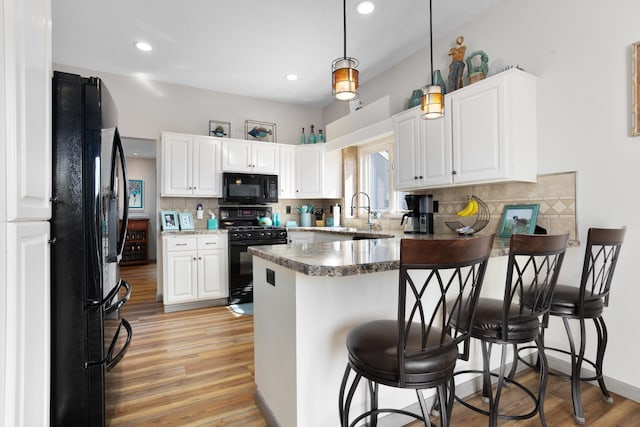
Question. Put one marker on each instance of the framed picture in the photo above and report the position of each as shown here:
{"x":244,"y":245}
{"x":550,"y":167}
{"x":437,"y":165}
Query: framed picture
{"x":186,"y":221}
{"x":136,"y":194}
{"x":635,"y":76}
{"x":219,"y":129}
{"x":518,"y":219}
{"x":260,"y":131}
{"x":169,"y":220}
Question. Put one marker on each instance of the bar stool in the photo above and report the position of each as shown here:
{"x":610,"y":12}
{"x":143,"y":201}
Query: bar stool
{"x":587,"y":301}
{"x":438,"y":278}
{"x":532,"y":271}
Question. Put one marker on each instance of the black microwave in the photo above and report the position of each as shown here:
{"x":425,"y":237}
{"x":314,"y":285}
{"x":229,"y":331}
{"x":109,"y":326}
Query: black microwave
{"x":249,"y":188}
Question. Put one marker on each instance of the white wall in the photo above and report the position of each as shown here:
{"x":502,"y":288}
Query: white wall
{"x":581,"y":53}
{"x":145,"y":169}
{"x":147,"y":107}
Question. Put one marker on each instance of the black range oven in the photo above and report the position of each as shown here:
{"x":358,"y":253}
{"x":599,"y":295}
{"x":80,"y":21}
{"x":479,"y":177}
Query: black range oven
{"x":244,"y":231}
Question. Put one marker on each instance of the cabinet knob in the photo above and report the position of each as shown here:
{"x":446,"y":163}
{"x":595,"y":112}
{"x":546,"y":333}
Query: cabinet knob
{"x":195,"y":188}
{"x":453,"y":172}
{"x":195,"y":259}
{"x":199,"y":257}
{"x":415,"y":177}
{"x":421,"y":177}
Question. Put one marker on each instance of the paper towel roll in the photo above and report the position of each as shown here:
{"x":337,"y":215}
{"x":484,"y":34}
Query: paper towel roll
{"x":336,"y":215}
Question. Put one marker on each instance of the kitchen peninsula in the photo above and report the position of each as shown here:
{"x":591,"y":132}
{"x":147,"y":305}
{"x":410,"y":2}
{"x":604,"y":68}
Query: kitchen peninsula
{"x":307,"y":296}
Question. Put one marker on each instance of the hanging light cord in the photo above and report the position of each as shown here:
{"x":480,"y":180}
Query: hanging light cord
{"x":344,"y":29}
{"x":430,"y":40}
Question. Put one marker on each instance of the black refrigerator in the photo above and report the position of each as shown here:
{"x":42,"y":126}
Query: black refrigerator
{"x":88,"y":228}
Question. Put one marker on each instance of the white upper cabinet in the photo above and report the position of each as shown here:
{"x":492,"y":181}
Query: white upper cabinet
{"x":239,"y":155}
{"x":190,"y":165}
{"x":287,"y":175}
{"x":310,"y":172}
{"x":25,"y":110}
{"x":494,"y":129}
{"x":422,"y":152}
{"x":488,"y":134}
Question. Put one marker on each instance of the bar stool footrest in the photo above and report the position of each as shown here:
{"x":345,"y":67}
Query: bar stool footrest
{"x":558,"y":373}
{"x":507,"y":381}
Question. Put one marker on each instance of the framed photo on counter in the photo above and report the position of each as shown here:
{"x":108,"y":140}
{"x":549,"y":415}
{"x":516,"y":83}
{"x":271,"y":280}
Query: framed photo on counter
{"x":169,"y":220}
{"x":518,"y":219}
{"x":186,"y":221}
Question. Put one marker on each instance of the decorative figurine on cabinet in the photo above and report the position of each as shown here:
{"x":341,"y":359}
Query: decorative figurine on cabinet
{"x":477,"y":73}
{"x":457,"y":64}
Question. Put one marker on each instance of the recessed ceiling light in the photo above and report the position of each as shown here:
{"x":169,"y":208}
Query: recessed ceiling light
{"x":291,"y":77}
{"x":135,"y":154}
{"x":365,"y":7}
{"x":143,"y":46}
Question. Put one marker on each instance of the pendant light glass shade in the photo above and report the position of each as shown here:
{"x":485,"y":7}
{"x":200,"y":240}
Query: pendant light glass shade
{"x":345,"y":78}
{"x":344,"y":71}
{"x":432,"y":102}
{"x":432,"y":106}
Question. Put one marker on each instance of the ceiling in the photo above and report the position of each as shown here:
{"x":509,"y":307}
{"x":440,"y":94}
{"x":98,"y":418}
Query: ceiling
{"x":246,"y":47}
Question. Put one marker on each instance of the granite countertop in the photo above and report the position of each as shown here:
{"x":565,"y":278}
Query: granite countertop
{"x":350,"y":257}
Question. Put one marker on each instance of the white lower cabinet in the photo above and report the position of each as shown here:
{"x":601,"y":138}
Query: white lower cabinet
{"x":195,"y":268}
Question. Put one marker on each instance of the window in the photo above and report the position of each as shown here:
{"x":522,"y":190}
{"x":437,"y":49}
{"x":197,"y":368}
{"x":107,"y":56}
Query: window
{"x":376,"y":176}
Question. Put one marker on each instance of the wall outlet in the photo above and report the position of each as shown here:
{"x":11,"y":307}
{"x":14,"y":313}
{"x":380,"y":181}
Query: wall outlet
{"x":288,"y":209}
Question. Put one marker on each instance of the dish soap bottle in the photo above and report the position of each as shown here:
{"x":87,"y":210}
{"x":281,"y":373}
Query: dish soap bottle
{"x":312,"y":136}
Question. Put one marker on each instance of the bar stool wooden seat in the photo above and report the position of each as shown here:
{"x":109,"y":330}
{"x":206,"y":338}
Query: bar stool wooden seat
{"x":419,"y":349}
{"x":532,"y":271}
{"x":587,"y":301}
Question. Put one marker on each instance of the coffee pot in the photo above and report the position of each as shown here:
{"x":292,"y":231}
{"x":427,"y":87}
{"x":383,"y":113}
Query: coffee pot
{"x":419,"y":219}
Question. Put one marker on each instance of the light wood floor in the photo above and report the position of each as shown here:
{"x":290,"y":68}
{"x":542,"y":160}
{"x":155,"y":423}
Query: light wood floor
{"x":195,"y":368}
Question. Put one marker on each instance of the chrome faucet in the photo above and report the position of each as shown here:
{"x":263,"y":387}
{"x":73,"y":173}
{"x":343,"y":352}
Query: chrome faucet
{"x":368,"y":208}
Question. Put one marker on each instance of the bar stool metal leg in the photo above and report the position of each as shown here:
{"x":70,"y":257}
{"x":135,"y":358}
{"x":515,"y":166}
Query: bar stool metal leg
{"x":602,"y":346}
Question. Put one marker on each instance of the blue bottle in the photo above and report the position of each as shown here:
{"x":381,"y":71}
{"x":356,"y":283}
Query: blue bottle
{"x":312,"y":136}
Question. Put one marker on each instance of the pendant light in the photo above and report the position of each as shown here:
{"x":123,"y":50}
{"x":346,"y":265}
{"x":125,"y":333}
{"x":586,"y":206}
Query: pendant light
{"x":432,"y":98}
{"x":344,"y":70}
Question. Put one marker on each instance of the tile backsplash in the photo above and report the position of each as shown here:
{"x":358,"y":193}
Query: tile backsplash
{"x":555,"y":193}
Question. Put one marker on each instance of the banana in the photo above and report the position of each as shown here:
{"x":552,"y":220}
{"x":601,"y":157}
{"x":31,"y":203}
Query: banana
{"x":475,"y":207}
{"x":468,"y":209}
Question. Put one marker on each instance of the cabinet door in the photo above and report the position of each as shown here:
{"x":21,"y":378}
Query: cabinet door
{"x":176,"y":165}
{"x":236,"y":155}
{"x":332,"y":182}
{"x":181,"y":278}
{"x":287,"y":175}
{"x":436,"y":152}
{"x":407,"y":150}
{"x":265,"y":157}
{"x":212,"y":274}
{"x":25,"y":323}
{"x":309,"y":168}
{"x":477,"y":133}
{"x":25,"y":107}
{"x":207,"y":177}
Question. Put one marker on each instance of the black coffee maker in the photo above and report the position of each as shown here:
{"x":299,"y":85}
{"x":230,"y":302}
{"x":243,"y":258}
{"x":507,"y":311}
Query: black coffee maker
{"x":419,"y":219}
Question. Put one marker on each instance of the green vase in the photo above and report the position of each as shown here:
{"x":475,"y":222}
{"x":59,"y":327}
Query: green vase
{"x":438,"y":80}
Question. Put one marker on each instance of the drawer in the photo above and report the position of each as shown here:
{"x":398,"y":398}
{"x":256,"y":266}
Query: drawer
{"x":137,"y":224}
{"x":181,"y":244}
{"x":213,"y":242}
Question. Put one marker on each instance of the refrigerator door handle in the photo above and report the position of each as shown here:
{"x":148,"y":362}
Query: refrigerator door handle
{"x":108,"y":303}
{"x":117,"y":148}
{"x":111,"y":360}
